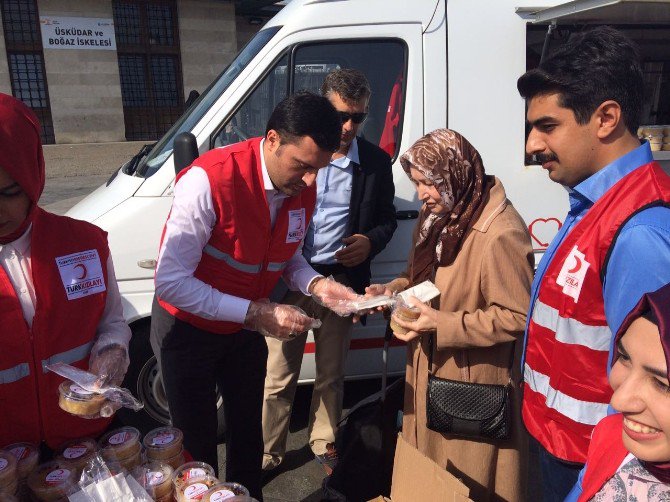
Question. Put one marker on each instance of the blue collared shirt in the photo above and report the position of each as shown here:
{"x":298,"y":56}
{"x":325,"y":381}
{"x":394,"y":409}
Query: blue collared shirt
{"x":640,"y":259}
{"x":331,"y":214}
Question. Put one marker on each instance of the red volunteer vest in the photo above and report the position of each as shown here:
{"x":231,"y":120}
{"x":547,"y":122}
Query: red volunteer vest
{"x":245,"y":256}
{"x":566,"y":391}
{"x":606,"y":452}
{"x":63,"y":330}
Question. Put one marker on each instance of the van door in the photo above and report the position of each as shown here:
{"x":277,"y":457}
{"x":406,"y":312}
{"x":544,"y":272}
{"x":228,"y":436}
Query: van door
{"x":390,"y":57}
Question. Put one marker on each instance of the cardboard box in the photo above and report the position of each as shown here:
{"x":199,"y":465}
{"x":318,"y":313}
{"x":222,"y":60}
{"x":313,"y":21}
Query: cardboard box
{"x":416,"y":477}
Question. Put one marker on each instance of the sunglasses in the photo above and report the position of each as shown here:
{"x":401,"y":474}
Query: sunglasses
{"x":356,"y":118}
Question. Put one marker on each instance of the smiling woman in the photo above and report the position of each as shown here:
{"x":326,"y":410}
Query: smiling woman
{"x":629,"y":455}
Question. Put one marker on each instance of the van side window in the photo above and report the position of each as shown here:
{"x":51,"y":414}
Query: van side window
{"x":382,"y":61}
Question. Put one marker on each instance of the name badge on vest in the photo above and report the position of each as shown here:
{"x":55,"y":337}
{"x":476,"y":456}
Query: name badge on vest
{"x":81,"y":274}
{"x":296,"y":225}
{"x":573,"y":273}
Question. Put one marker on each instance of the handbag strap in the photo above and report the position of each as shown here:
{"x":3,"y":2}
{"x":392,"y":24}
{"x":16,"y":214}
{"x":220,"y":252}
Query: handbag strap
{"x":431,"y":343}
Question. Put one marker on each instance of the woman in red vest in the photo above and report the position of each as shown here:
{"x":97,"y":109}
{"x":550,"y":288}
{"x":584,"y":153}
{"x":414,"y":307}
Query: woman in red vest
{"x":59,"y":301}
{"x":629,"y":453}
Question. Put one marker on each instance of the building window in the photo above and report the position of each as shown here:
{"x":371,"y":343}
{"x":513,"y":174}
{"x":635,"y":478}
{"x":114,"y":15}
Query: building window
{"x":147,"y":41}
{"x":26,"y":60}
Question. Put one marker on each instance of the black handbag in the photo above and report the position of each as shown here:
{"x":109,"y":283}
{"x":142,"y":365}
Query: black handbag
{"x":464,"y":409}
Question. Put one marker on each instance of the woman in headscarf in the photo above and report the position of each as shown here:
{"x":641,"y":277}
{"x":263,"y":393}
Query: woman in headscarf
{"x":59,"y":301}
{"x":475,"y":247}
{"x":629,"y":454}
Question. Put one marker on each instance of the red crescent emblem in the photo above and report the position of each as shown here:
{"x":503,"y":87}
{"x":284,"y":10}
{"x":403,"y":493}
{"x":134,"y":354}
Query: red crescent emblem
{"x":578,"y":265}
{"x":84,"y":272}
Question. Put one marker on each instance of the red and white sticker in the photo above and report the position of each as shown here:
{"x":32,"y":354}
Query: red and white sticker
{"x":119,"y":438}
{"x":195,"y":491}
{"x":57,"y":477}
{"x":75,"y":451}
{"x":20,"y":452}
{"x":162,"y":439}
{"x":296,"y":225}
{"x":3,"y":464}
{"x":155,"y":478}
{"x":220,"y":495}
{"x":194,"y":473}
{"x":81,"y":274}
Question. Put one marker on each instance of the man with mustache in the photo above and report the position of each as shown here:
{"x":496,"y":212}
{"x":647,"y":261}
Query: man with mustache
{"x":584,"y":105}
{"x":354,"y":220}
{"x":238,"y":219}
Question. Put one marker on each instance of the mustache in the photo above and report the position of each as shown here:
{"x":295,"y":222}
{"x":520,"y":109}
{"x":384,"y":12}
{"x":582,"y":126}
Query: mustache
{"x":542,"y":158}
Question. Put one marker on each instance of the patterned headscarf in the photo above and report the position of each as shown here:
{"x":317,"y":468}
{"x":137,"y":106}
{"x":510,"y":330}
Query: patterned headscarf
{"x":21,"y":153}
{"x":457,"y":172}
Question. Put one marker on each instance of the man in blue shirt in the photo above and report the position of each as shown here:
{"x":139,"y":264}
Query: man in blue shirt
{"x":353,"y":221}
{"x":584,"y":105}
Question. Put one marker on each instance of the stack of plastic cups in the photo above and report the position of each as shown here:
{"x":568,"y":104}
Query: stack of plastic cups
{"x":666,"y":139}
{"x":165,"y":445}
{"x":225,"y":491}
{"x":192,"y":480}
{"x":122,"y":446}
{"x":28,"y":457}
{"x":77,"y":452}
{"x":9,"y":481}
{"x":156,"y":479}
{"x":52,"y":481}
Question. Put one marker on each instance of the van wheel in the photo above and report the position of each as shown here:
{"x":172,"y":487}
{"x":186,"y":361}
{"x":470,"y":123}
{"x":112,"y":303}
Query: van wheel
{"x":145,"y":381}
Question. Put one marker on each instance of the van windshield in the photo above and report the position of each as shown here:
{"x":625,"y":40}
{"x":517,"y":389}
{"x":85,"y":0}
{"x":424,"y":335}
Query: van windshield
{"x":162,"y":150}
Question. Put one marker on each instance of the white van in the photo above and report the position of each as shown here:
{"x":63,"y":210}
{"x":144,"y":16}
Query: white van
{"x":431,"y":64}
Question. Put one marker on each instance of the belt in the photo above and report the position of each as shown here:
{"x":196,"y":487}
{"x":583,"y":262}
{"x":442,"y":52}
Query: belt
{"x":329,"y":269}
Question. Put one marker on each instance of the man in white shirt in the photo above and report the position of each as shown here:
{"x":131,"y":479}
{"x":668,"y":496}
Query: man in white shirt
{"x":59,"y":301}
{"x":353,"y":221}
{"x":237,"y":222}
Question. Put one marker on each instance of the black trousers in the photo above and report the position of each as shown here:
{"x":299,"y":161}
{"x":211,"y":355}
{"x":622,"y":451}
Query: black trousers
{"x":193,"y":363}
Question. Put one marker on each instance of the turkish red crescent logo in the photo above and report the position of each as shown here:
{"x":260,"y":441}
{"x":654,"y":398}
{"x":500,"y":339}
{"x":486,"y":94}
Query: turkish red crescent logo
{"x":84,"y":272}
{"x":536,"y":233}
{"x":578,"y":265}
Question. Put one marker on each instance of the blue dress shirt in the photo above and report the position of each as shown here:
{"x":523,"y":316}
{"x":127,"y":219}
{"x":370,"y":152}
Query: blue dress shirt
{"x":640,"y":259}
{"x":331,"y":213}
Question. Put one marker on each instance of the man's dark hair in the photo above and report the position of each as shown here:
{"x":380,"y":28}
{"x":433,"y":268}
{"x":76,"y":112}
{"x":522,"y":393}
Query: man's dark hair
{"x":350,"y":84}
{"x":592,"y":67}
{"x":307,"y":114}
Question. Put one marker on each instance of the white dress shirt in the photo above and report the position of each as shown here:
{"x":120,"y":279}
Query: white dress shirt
{"x":187,"y":232}
{"x":15,"y":258}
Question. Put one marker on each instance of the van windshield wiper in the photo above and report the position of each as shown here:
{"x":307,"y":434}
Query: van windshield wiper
{"x":134,"y":163}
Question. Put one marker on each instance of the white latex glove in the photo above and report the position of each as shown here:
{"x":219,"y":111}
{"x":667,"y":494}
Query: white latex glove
{"x":110,"y":363}
{"x":279,"y":321}
{"x":334,"y":295}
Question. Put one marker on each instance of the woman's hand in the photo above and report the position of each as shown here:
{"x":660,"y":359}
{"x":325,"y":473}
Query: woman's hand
{"x":426,"y":323}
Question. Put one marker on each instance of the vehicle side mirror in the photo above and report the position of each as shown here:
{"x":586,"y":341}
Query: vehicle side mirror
{"x":185,"y":150}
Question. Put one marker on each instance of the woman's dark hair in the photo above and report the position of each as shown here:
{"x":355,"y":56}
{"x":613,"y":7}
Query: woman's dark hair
{"x":351,"y":85}
{"x":592,"y":67}
{"x":307,"y":114}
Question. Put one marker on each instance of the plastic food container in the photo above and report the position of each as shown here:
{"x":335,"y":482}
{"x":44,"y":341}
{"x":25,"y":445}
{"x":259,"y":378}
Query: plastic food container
{"x":77,"y":452}
{"x":177,"y":461}
{"x":191,"y":470}
{"x":163,"y":443}
{"x":78,"y":401}
{"x":408,"y":314}
{"x":27,"y":455}
{"x":52,"y":481}
{"x":121,"y":445}
{"x":195,"y":488}
{"x":156,"y":479}
{"x":224,"y":491}
{"x":8,"y":471}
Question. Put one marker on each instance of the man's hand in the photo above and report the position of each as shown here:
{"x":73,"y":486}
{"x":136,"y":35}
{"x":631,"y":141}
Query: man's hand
{"x":333,"y":295}
{"x":426,"y":323}
{"x":110,"y":363}
{"x":279,"y":321}
{"x":357,"y":250}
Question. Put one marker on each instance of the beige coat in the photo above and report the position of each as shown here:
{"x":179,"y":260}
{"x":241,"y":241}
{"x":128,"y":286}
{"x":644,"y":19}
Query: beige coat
{"x":485,"y":296}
